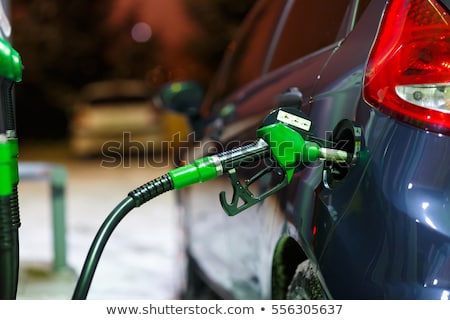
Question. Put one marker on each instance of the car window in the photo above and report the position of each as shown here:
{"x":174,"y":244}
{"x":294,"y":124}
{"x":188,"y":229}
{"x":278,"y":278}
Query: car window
{"x":275,"y":33}
{"x":251,"y":53}
{"x":362,"y":5}
{"x":310,"y":26}
{"x":246,"y":55}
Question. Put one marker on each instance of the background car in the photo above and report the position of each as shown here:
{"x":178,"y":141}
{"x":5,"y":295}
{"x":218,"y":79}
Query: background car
{"x":118,"y":111}
{"x":373,"y":77}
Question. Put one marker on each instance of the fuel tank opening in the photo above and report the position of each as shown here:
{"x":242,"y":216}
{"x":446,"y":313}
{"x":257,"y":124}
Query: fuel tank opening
{"x":346,"y":136}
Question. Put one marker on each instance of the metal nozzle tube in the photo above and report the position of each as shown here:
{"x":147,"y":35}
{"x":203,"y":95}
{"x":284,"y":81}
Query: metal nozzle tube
{"x":334,"y":155}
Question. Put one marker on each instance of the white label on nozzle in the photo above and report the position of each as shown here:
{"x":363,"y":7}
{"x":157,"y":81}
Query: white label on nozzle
{"x":294,"y":120}
{"x":5,"y":26}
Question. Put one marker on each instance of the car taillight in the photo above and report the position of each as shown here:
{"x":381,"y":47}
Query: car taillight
{"x":408,"y":71}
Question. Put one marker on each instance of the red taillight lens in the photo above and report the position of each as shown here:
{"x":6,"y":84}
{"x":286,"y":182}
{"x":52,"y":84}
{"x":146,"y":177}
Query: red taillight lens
{"x":408,"y":71}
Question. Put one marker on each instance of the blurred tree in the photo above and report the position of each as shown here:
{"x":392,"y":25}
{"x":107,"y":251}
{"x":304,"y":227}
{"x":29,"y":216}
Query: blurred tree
{"x":218,"y":20}
{"x":60,"y":50}
{"x":127,"y":58}
{"x":64,"y":45}
{"x":59,"y":41}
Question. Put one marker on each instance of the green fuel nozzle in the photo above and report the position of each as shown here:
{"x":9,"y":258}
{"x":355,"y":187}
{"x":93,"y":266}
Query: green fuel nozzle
{"x":290,"y":148}
{"x":284,"y":142}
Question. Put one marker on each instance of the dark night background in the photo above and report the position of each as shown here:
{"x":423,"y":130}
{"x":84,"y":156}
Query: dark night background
{"x":66,"y":44}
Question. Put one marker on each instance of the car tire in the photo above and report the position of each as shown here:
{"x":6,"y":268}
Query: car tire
{"x":305,"y":284}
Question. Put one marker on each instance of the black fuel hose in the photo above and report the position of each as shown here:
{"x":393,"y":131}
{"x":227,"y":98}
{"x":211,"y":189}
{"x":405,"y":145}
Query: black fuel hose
{"x":134,"y":199}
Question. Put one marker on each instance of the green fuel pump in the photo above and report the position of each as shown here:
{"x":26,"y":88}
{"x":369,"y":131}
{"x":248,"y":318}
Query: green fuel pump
{"x":10,"y":73}
{"x":284,"y":142}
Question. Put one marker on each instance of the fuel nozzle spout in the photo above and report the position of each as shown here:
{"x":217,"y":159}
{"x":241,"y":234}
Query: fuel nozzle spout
{"x":335,"y":155}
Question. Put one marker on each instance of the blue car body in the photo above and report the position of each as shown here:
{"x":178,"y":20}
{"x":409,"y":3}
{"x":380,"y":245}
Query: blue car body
{"x":379,"y":230}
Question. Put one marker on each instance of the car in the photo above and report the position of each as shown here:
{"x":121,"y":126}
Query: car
{"x":116,"y":117}
{"x":373,"y":79}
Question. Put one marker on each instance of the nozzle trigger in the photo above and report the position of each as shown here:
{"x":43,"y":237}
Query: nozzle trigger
{"x":242,"y":197}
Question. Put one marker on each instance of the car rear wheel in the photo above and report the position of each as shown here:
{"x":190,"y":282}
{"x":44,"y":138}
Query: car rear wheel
{"x":305,"y":284}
